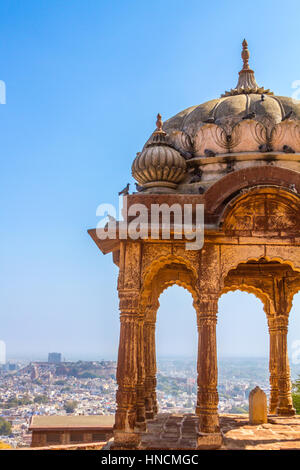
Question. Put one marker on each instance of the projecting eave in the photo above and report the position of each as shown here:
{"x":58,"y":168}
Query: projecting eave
{"x":107,"y":245}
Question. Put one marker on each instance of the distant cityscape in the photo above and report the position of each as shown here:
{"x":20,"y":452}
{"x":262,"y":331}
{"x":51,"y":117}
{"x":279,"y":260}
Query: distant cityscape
{"x":57,"y":387}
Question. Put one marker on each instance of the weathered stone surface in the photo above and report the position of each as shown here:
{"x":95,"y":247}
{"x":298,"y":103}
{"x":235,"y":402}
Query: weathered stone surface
{"x":283,"y":433}
{"x":236,"y":434}
{"x":257,"y":406}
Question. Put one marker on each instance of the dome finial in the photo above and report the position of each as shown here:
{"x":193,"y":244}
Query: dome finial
{"x":246,"y":83}
{"x":245,"y":55}
{"x":159,"y":123}
{"x":159,"y":133}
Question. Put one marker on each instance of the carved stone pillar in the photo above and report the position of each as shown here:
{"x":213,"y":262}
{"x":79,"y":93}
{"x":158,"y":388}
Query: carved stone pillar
{"x":207,"y":399}
{"x":285,"y":404}
{"x":140,"y":389}
{"x":150,"y":368}
{"x":273,"y":365}
{"x":125,"y":435}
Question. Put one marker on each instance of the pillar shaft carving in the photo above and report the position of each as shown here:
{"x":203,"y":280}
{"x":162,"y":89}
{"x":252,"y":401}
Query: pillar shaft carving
{"x":141,"y":412}
{"x":280,"y":327}
{"x":285,"y":404}
{"x":207,"y":397}
{"x":273,"y":365}
{"x":150,"y":369}
{"x":128,"y":374}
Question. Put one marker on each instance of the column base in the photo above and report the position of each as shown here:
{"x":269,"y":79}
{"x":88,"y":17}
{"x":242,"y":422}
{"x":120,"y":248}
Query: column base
{"x":150,"y":415}
{"x":272,"y":408}
{"x":125,"y":440}
{"x":208,"y":422}
{"x":285,"y":411}
{"x":141,"y":426}
{"x":273,"y":405}
{"x":208,"y":441}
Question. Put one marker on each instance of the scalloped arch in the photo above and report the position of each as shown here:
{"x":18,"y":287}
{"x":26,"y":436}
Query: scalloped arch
{"x":259,"y":294}
{"x":278,"y":259}
{"x":234,"y":264}
{"x":156,"y":268}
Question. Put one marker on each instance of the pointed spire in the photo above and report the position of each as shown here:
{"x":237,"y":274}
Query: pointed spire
{"x":159,"y":125}
{"x":246,"y":82}
{"x":245,"y":55}
{"x":159,"y":136}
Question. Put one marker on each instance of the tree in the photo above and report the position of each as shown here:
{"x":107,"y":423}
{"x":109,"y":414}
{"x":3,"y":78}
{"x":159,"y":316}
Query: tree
{"x":41,"y":399}
{"x":3,"y":445}
{"x":296,"y":395}
{"x":59,"y":382}
{"x":70,"y":406}
{"x":5,"y":427}
{"x":296,"y":402}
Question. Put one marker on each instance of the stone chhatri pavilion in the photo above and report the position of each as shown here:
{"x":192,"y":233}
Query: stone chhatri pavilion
{"x":239,"y":155}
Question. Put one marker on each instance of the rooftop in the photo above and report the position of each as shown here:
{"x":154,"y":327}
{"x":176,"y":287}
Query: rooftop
{"x":80,"y":422}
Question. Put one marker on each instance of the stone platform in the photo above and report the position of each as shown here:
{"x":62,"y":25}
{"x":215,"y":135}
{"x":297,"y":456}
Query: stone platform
{"x":179,"y":431}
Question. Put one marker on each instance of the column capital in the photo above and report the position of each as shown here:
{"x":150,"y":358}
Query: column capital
{"x":150,"y":323}
{"x":128,"y":293}
{"x":150,"y":312}
{"x":207,"y":308}
{"x":126,"y":317}
{"x":207,"y":302}
{"x":282,"y":322}
{"x":272,"y":324}
{"x":129,"y":303}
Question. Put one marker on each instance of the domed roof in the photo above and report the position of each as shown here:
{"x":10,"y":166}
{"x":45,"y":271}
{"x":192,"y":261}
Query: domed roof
{"x":159,"y":165}
{"x":229,"y":110}
{"x":246,"y":126}
{"x":246,"y":101}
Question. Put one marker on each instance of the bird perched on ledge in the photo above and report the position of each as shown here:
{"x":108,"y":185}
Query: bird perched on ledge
{"x":125,"y":191}
{"x":139,"y":188}
{"x":265,"y":148}
{"x":250,"y":116}
{"x":288,"y":149}
{"x":209,"y":153}
{"x":196,"y":175}
{"x":287,"y":116}
{"x":209,"y":120}
{"x":195,"y":179}
{"x":293,"y":188}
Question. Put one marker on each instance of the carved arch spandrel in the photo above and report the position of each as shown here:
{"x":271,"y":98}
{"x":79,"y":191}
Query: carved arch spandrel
{"x":278,"y":288}
{"x":285,"y":255}
{"x":164,"y":272}
{"x":292,"y":288}
{"x":232,"y":256}
{"x":164,"y":260}
{"x":159,"y":252}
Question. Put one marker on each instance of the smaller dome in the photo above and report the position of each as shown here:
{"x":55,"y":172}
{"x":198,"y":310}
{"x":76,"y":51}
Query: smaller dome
{"x":159,"y":165}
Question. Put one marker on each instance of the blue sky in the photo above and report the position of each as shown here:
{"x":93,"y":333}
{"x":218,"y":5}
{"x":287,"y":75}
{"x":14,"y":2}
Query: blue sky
{"x":85,"y":81}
